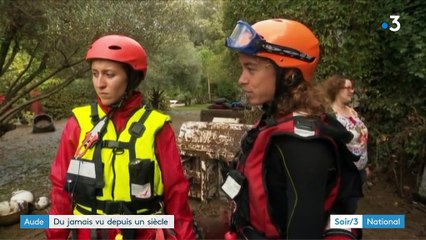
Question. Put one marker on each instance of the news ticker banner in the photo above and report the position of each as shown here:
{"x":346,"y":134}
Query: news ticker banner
{"x":368,"y":221}
{"x":97,"y":221}
{"x":167,"y":221}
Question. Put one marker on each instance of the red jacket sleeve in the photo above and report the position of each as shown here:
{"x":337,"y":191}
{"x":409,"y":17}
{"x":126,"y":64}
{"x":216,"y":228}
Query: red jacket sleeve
{"x":60,"y":199}
{"x":176,"y":186}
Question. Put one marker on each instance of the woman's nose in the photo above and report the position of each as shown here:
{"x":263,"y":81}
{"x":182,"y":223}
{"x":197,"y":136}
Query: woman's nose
{"x":243,"y":79}
{"x":99,"y":81}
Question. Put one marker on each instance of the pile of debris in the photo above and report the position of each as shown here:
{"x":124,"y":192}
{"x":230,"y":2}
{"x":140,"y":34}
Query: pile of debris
{"x":203,"y":146}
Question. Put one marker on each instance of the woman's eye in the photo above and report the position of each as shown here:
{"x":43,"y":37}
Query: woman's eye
{"x":251,"y":70}
{"x":95,"y":74}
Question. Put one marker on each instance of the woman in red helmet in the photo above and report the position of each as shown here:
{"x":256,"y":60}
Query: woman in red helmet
{"x":116,"y":156}
{"x":288,"y":176}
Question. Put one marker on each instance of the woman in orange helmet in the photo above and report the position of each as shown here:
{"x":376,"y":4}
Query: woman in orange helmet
{"x":116,"y":156}
{"x":288,"y":175}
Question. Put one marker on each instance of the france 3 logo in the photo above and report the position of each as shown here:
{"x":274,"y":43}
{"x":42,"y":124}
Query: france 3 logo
{"x":395,"y":24}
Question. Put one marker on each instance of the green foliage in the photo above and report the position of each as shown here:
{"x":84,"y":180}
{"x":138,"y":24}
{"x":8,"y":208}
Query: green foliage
{"x":30,"y":57}
{"x":157,"y":99}
{"x":78,"y":93}
{"x":42,"y":46}
{"x":174,"y":69}
{"x":253,"y":115}
{"x":214,"y":81}
{"x":226,"y":88}
{"x":222,"y":84}
{"x":205,"y":27}
{"x":397,"y":92}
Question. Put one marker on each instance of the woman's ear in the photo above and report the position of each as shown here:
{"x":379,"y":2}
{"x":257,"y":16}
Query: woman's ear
{"x":290,"y":74}
{"x":292,"y":77}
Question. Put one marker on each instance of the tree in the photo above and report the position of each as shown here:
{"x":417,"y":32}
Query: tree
{"x":208,"y":36}
{"x":29,"y":56}
{"x":41,"y":43}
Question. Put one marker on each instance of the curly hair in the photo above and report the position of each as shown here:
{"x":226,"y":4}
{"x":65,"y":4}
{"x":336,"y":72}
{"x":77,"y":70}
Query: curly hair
{"x":301,"y":96}
{"x":333,"y":85}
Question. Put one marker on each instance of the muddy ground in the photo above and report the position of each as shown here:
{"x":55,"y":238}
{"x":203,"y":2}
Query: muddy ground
{"x":25,"y":160}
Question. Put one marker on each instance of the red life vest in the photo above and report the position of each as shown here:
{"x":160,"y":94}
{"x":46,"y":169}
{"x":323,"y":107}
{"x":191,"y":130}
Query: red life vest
{"x":252,"y":169}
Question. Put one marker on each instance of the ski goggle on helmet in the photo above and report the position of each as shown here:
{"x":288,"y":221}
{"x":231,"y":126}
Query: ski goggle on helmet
{"x":288,"y":43}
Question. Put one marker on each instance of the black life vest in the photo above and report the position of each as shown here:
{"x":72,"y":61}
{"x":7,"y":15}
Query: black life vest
{"x":252,"y":207}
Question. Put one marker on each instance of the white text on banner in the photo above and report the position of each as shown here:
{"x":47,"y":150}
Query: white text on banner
{"x":345,"y":221}
{"x":111,"y":221}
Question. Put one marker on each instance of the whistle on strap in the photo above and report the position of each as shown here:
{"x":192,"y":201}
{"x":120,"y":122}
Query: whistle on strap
{"x":91,"y":138}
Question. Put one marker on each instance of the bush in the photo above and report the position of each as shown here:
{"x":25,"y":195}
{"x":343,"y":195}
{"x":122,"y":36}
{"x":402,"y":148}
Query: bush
{"x":156,"y":99}
{"x":78,"y":93}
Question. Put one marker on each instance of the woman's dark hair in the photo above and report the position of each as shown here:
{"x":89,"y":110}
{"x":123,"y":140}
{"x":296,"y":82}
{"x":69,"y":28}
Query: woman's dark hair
{"x":134,"y":78}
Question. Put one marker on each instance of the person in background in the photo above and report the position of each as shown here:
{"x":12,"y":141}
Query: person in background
{"x":293,"y":166}
{"x":340,"y":91}
{"x":116,"y":156}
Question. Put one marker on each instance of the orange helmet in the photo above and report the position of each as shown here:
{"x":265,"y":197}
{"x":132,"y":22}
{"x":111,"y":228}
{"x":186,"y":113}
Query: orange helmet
{"x":120,"y":49}
{"x":288,"y":43}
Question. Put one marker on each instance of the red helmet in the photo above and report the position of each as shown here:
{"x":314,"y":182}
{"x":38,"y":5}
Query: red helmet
{"x":120,"y":49}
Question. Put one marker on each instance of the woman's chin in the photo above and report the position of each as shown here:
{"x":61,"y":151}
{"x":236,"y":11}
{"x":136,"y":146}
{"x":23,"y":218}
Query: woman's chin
{"x":253,"y":102}
{"x":106,"y":102}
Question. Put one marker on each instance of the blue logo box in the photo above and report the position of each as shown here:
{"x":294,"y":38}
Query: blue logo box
{"x":383,"y":221}
{"x":34,"y":221}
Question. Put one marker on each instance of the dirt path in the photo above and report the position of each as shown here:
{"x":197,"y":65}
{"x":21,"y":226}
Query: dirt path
{"x":25,"y":160}
{"x":382,"y":199}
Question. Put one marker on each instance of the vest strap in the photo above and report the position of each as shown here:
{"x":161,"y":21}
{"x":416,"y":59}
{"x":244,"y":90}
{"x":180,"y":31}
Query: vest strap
{"x":99,"y":166}
{"x":136,"y":130}
{"x":121,"y":207}
{"x":93,"y":234}
{"x":115,"y":144}
{"x":94,"y":115}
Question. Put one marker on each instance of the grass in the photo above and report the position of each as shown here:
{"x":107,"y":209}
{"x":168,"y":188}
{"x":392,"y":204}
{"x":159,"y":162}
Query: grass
{"x":195,"y":107}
